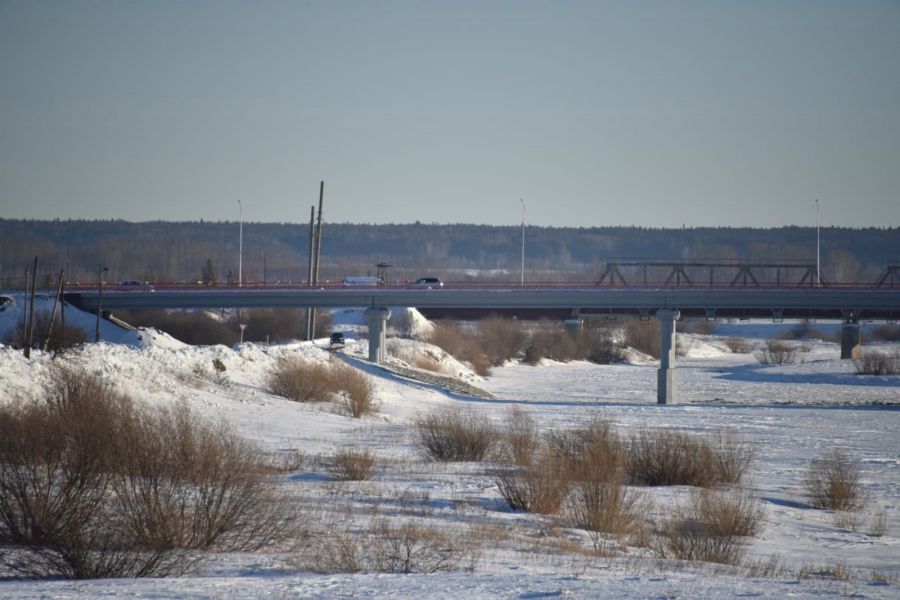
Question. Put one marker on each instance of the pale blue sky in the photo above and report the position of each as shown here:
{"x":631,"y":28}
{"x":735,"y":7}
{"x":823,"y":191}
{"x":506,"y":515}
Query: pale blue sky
{"x":735,"y":113}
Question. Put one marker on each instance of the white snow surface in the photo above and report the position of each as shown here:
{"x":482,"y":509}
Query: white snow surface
{"x":789,"y":414}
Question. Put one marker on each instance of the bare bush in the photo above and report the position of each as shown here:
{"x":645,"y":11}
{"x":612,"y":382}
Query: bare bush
{"x":94,"y":486}
{"x":387,"y":548}
{"x":520,"y":440}
{"x":461,"y":345}
{"x":352,"y":464}
{"x":277,"y":324}
{"x":643,"y":335}
{"x":412,"y":548}
{"x":709,"y":527}
{"x":832,"y":482}
{"x":354,"y":389}
{"x":886,"y":333}
{"x":873,"y":362}
{"x":501,"y":339}
{"x":301,"y":381}
{"x":554,"y":343}
{"x":593,"y":452}
{"x":455,"y":435}
{"x":669,"y":458}
{"x":776,"y":352}
{"x":605,"y":507}
{"x":739,"y":345}
{"x":539,"y":487}
{"x":731,"y":459}
{"x":190,"y":327}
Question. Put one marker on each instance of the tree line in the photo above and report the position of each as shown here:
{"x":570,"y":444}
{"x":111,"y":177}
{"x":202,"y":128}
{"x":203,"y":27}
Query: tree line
{"x":193,"y":250}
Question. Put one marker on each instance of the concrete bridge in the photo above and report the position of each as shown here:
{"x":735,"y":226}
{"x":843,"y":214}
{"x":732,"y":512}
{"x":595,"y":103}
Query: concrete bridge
{"x":848,"y":305}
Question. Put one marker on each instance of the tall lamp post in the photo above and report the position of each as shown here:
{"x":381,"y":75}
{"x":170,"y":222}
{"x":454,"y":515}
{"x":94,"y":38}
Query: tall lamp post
{"x":523,"y":241}
{"x":100,"y":270}
{"x":240,"y":243}
{"x":818,"y":263}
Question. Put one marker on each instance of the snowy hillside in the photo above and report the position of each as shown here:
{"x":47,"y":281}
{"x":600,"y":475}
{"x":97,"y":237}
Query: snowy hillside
{"x":789,"y":415}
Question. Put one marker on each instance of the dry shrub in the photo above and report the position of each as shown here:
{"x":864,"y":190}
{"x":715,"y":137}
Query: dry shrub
{"x":873,"y":362}
{"x":94,"y":486}
{"x":455,"y":435}
{"x":662,"y":457}
{"x":59,"y":339}
{"x":886,"y":333}
{"x":643,"y":335}
{"x":354,"y":389}
{"x":386,"y":548}
{"x":554,"y":343}
{"x":520,"y":440}
{"x":669,"y":458}
{"x":709,"y":527}
{"x":190,"y":327}
{"x":731,"y":459}
{"x":605,"y":507}
{"x":776,"y":352}
{"x":739,"y":345}
{"x":539,"y":487}
{"x":277,"y":324}
{"x":461,"y":345}
{"x":832,"y":482}
{"x":352,"y":464}
{"x":301,"y":381}
{"x":698,"y":326}
{"x":501,"y":339}
{"x":593,"y":452}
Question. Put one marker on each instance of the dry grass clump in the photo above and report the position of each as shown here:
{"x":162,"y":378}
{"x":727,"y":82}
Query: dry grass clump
{"x":873,"y":362}
{"x":455,"y":435}
{"x":674,"y":458}
{"x":832,"y":482}
{"x":739,"y":345}
{"x":303,"y":381}
{"x":95,"y":486}
{"x":709,"y":527}
{"x":776,"y":352}
{"x":352,"y":464}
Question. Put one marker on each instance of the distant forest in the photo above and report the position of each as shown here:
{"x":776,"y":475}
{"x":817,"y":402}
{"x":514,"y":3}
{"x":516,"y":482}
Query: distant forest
{"x":178,"y":251}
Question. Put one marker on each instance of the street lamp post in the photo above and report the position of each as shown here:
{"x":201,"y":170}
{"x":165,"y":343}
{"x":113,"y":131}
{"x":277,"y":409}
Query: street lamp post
{"x":523,"y":241}
{"x":100,"y":270}
{"x":240,"y":243}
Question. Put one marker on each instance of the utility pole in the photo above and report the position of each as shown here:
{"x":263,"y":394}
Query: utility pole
{"x":31,"y":310}
{"x":59,"y":288}
{"x":100,"y":269}
{"x":25,"y":349}
{"x":240,"y":242}
{"x":312,"y":311}
{"x":309,"y":275}
{"x":523,"y":241}
{"x":818,"y":263}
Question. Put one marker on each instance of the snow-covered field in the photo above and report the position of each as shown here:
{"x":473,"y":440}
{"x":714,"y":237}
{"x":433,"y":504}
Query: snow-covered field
{"x":789,"y":414}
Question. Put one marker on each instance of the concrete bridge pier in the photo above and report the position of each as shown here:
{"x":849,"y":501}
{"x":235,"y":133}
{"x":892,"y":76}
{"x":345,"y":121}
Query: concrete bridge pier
{"x":377,"y":320}
{"x":851,"y":346}
{"x":665,"y":376}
